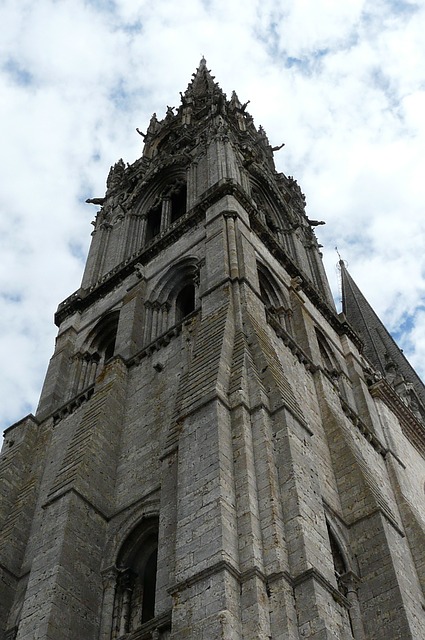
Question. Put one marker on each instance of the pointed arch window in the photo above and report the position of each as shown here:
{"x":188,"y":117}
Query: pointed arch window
{"x":329,"y":360}
{"x":347,"y":583}
{"x":136,"y":582}
{"x":169,"y":206}
{"x":100,"y":348}
{"x":153,"y":222}
{"x":331,"y":365}
{"x":339,"y":562}
{"x":273,"y":298}
{"x":265,"y":209}
{"x":178,"y":203}
{"x":176,"y":297}
{"x":185,"y":301}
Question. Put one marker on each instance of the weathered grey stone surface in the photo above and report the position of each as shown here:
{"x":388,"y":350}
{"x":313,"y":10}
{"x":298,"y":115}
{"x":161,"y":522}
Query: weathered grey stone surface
{"x":205,"y":400}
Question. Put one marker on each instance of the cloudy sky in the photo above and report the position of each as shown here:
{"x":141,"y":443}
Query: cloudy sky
{"x":341,"y":82}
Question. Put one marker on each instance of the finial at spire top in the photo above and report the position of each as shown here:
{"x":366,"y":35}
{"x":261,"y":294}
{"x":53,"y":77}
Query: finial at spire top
{"x":340,"y":260}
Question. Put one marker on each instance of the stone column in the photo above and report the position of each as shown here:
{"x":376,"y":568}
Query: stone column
{"x":126,"y":584}
{"x":78,"y":363}
{"x":141,"y":232}
{"x":109,"y":577}
{"x":148,"y":323}
{"x":350,"y":583}
{"x":165,"y":215}
{"x":155,"y":321}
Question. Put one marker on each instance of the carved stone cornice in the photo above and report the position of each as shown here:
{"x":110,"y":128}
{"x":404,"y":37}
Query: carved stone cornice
{"x":339,"y":325}
{"x":410,"y":425}
{"x":152,"y":629}
{"x":289,"y":342}
{"x":81,"y":299}
{"x":72,"y":405}
{"x":314,"y":574}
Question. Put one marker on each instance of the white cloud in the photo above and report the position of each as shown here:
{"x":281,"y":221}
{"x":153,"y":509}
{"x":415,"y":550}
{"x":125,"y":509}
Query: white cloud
{"x":341,"y":83}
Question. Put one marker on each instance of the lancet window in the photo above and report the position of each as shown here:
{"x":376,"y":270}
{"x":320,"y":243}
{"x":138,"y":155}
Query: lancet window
{"x":176,"y":297}
{"x":100,"y":348}
{"x":339,"y":562}
{"x":153,"y":222}
{"x":347,"y":583}
{"x":329,"y":361}
{"x":185,"y":301}
{"x":136,"y":580}
{"x":273,"y":298}
{"x":167,"y":208}
{"x":178,"y":199}
{"x":331,"y":365}
{"x":265,"y":209}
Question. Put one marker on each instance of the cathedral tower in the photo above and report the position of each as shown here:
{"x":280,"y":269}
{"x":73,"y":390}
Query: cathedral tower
{"x":216,"y":453}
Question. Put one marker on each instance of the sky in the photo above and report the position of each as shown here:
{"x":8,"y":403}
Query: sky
{"x":341,"y":83}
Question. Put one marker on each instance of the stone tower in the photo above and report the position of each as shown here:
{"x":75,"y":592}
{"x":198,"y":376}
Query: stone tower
{"x":216,"y":452}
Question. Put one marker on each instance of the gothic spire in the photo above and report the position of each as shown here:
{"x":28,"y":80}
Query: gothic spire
{"x":202,"y":84}
{"x":379,"y":346}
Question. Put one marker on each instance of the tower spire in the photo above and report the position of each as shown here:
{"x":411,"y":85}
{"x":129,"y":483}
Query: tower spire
{"x":202,"y":83}
{"x":206,"y":460}
{"x":379,"y":345}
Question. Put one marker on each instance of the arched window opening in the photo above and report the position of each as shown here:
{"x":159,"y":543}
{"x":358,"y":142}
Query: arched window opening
{"x":174,"y":297}
{"x":149,"y":586}
{"x":99,"y":348}
{"x":110,"y":348}
{"x":178,"y":203}
{"x":185,"y":302}
{"x":264,"y":295}
{"x":273,"y":298}
{"x":136,"y":583}
{"x":267,"y":290}
{"x":106,"y":335}
{"x":266,"y":205}
{"x":345,"y":580}
{"x":153,"y":222}
{"x":340,"y":566}
{"x":270,"y":224}
{"x":332,"y":366}
{"x":328,"y":360}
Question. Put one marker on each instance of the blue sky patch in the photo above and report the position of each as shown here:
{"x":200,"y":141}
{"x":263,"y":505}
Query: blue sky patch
{"x":120,"y":97}
{"x":106,"y":6}
{"x":14,"y":298}
{"x":132,"y":28}
{"x":18,"y":74}
{"x":402,"y":7}
{"x":77,"y":251}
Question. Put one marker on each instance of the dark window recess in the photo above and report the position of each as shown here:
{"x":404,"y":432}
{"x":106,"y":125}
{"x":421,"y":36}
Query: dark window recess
{"x":153,"y":223}
{"x":178,"y":204}
{"x":185,"y":302}
{"x":149,"y":586}
{"x":269,"y":221}
{"x":136,"y":581}
{"x":264,"y":294}
{"x":340,"y":566}
{"x":110,"y":348}
{"x":106,"y":336}
{"x":327,"y":362}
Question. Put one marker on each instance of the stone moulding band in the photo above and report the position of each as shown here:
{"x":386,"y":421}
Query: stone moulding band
{"x":242,"y":577}
{"x":410,"y":426}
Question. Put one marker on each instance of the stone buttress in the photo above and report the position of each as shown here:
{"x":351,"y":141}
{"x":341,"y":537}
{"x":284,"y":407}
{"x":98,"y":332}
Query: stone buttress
{"x":212,"y":455}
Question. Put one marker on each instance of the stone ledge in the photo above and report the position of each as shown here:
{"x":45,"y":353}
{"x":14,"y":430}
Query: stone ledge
{"x":224,"y":565}
{"x":151,"y":629}
{"x":313,"y":574}
{"x":72,"y":405}
{"x":410,"y":425}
